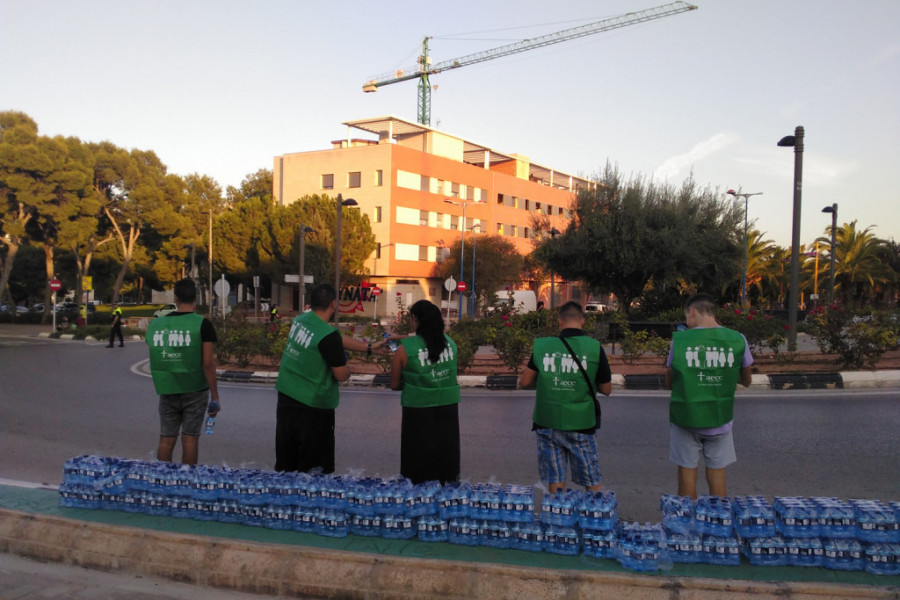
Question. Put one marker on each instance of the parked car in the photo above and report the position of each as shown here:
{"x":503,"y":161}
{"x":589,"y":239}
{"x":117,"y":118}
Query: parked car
{"x":37,"y":307}
{"x":166,"y":309}
{"x":596,"y":307}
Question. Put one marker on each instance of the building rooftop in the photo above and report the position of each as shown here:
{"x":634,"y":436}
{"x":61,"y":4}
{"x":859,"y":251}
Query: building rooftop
{"x":396,"y":130}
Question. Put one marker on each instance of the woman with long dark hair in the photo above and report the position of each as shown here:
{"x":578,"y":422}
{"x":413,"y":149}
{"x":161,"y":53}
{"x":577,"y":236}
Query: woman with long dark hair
{"x":424,"y":367}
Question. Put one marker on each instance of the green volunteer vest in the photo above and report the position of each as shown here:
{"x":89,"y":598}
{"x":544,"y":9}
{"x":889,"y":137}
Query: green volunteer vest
{"x":304,"y":375}
{"x":563,"y":399}
{"x":425,"y":383}
{"x":706,"y":364}
{"x":176,"y":354}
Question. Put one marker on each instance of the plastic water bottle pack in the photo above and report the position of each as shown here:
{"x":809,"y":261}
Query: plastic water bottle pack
{"x":766,"y":551}
{"x":560,"y":508}
{"x":875,"y":522}
{"x":599,"y":544}
{"x":453,"y":500}
{"x":796,"y":516}
{"x":517,"y":503}
{"x":598,"y":511}
{"x":713,"y":516}
{"x":527,"y":536}
{"x":754,"y":516}
{"x":686,"y":547}
{"x":883,"y":559}
{"x":677,"y":513}
{"x":642,"y":547}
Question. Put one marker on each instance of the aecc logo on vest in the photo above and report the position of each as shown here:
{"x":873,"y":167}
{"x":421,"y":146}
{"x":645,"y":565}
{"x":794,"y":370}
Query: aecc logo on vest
{"x":171,"y":338}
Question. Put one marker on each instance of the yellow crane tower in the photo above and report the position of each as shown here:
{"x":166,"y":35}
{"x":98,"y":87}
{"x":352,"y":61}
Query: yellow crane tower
{"x":423,"y":68}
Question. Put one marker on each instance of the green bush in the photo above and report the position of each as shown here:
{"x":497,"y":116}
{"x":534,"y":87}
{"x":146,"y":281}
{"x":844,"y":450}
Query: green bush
{"x":858,"y":337}
{"x":760,"y":329}
{"x":513,"y":344}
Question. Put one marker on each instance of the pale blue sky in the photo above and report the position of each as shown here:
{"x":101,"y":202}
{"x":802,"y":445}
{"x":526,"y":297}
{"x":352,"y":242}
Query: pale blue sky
{"x":221,"y":87}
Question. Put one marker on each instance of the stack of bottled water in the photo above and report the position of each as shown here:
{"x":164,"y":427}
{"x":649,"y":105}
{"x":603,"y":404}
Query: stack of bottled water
{"x":559,"y":516}
{"x":642,"y":547}
{"x":829,"y":532}
{"x":598,"y":515}
{"x":684,"y":543}
{"x":754,"y":521}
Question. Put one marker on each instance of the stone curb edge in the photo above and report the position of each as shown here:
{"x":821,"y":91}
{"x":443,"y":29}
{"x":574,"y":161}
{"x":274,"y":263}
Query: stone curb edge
{"x":275,"y":569}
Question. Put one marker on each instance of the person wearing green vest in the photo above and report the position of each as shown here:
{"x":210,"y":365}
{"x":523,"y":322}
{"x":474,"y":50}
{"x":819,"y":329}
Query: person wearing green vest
{"x":313,"y":363}
{"x":424,"y":367}
{"x":183,"y":366}
{"x":116,"y":329}
{"x":566,"y":416}
{"x":705,"y":364}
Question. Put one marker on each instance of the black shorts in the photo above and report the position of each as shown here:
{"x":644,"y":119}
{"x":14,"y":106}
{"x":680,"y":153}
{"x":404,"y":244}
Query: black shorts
{"x":304,"y":436}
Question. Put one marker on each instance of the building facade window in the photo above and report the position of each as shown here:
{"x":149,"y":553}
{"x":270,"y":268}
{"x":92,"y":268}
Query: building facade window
{"x":354,"y":179}
{"x":328,"y":181}
{"x":376,"y":217}
{"x":423,"y":253}
{"x":423,"y":218}
{"x":379,"y":178}
{"x":424,"y":183}
{"x":454,"y":190}
{"x":454,"y":222}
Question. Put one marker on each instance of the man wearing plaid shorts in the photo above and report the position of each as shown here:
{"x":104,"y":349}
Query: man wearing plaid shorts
{"x":564,"y":416}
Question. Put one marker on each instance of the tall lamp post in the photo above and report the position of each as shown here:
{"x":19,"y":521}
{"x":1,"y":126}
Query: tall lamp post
{"x":462,"y":247}
{"x":833,"y":210}
{"x":795,"y":141}
{"x":302,"y":297}
{"x":553,"y":233}
{"x":746,"y":197}
{"x":337,"y":253}
{"x":210,"y":267}
{"x":472,"y":297}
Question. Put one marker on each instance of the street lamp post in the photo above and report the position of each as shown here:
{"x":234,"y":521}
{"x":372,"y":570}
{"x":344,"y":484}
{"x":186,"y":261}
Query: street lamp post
{"x":302,"y":235}
{"x":553,"y":233}
{"x":472,"y":297}
{"x":833,"y":209}
{"x":210,"y":266}
{"x":795,"y":141}
{"x":746,"y":197}
{"x":337,"y":253}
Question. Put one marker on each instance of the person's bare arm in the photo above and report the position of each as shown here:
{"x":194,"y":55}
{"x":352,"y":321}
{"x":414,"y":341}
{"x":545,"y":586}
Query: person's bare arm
{"x":746,"y":376}
{"x":398,"y":361}
{"x":209,"y":371}
{"x":527,"y":378}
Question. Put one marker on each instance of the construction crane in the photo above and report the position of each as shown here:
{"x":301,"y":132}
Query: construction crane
{"x":424,"y":68}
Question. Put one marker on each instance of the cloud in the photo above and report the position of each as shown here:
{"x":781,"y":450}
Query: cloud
{"x":679,"y":166}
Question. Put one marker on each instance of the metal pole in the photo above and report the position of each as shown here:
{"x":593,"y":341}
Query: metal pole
{"x":795,"y":239}
{"x":834,"y":209}
{"x":337,"y":260}
{"x":746,"y":243}
{"x":302,"y":296}
{"x":462,"y":255}
{"x":210,"y":266}
{"x":472,"y":297}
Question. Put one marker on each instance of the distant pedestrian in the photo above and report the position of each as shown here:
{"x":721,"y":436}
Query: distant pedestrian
{"x":703,"y":378}
{"x":568,"y":369}
{"x":273,"y":314}
{"x":183,"y":366}
{"x":424,"y":367}
{"x":116,"y":329}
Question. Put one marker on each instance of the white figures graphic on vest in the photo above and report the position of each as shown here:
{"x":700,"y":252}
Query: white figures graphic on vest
{"x":300,"y":334}
{"x":567,"y":364}
{"x":446,"y":355}
{"x":713,"y":357}
{"x":171,"y":338}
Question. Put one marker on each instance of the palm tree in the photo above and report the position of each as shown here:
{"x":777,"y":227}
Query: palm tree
{"x":860,"y":267}
{"x":759,"y":254}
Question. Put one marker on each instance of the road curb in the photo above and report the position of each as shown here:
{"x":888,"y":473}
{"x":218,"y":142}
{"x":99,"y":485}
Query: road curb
{"x":277,"y":569}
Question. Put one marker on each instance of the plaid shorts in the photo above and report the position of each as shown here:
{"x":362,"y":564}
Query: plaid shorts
{"x":556,"y":449}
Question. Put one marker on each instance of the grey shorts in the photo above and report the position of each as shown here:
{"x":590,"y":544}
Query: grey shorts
{"x":182,"y":412}
{"x":686,"y":446}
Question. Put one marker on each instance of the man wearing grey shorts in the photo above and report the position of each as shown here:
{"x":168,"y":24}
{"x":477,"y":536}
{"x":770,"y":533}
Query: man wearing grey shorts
{"x":706,"y":362}
{"x":183,"y":366}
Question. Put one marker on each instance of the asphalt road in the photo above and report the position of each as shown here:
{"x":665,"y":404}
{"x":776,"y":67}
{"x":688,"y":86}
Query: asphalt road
{"x":59,"y":399}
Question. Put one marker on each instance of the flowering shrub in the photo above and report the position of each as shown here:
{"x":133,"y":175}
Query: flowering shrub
{"x":759,"y":328}
{"x":858,"y":337}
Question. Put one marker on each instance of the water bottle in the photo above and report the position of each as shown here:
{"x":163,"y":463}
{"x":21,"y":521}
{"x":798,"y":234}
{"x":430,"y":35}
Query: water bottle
{"x":835,"y":518}
{"x":210,"y":417}
{"x":766,"y":551}
{"x":753,"y":517}
{"x":796,"y":516}
{"x":599,"y":544}
{"x":875,"y":522}
{"x":431,"y":528}
{"x":883,"y":559}
{"x":677,"y":513}
{"x":365,"y":525}
{"x":684,"y":547}
{"x":392,"y":344}
{"x":721,"y":550}
{"x":804,"y":552}
{"x":713,"y":516}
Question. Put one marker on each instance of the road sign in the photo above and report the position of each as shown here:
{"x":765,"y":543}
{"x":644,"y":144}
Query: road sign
{"x":55,"y":284}
{"x":376,"y":291}
{"x":462,"y":286}
{"x":292,"y":278}
{"x":222,"y":288}
{"x":87,"y":283}
{"x":449,"y":284}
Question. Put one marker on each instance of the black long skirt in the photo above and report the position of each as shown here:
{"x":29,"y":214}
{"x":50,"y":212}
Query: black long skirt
{"x":429,"y":443}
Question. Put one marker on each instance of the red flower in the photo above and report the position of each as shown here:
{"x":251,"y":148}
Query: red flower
{"x":505,"y":317}
{"x":508,"y":324}
{"x":768,"y":317}
{"x":787,"y":327}
{"x":749,"y":317}
{"x":737,"y":311}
